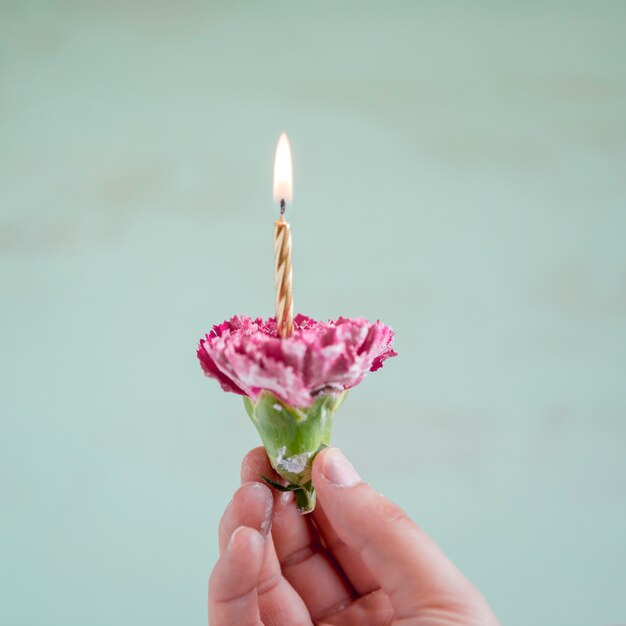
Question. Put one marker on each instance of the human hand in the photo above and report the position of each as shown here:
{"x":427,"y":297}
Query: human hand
{"x":357,"y":560}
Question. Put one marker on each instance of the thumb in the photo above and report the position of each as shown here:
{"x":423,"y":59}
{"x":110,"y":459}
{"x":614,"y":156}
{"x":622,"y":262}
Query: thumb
{"x":405,"y":562}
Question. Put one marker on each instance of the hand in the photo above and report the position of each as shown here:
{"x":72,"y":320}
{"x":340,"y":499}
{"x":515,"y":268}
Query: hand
{"x":357,"y":560}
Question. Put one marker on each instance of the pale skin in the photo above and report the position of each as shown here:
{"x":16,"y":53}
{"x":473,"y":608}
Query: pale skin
{"x":358,"y":560}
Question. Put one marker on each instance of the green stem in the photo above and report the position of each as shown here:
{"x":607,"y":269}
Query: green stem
{"x":305,"y":498}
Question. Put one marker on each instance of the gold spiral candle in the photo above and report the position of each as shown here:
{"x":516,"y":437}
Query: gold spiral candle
{"x":283,"y":277}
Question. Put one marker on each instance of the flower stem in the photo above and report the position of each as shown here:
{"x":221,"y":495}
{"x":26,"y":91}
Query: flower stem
{"x":305,"y":498}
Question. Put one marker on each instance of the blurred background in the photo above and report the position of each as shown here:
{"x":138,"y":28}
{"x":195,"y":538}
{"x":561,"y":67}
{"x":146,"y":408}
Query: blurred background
{"x":460,"y":173}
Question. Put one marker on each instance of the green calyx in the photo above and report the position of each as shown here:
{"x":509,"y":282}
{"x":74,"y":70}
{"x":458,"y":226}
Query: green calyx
{"x":292,"y":437}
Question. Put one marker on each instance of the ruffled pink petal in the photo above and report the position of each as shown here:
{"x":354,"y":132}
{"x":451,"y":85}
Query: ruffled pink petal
{"x":246,"y":356}
{"x":210,"y":369}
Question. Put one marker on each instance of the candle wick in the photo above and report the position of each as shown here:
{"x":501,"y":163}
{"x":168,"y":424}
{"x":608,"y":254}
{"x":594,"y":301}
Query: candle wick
{"x":282,"y":206}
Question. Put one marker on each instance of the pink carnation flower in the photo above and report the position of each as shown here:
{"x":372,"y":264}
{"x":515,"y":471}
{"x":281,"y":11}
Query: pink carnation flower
{"x":246,"y":356}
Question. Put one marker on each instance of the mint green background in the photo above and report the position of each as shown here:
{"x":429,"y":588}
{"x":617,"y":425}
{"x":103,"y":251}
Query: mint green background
{"x":460,"y":174}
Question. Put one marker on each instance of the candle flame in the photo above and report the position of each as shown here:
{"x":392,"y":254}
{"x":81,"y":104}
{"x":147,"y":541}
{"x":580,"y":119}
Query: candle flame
{"x":283,"y":171}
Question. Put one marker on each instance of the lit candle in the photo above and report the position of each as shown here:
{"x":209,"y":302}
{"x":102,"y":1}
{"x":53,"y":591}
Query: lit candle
{"x":283,"y":191}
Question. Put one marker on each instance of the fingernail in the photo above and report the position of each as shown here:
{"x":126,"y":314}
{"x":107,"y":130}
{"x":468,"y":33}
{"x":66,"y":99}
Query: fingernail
{"x":266,"y":496}
{"x":338,"y":470}
{"x":232,"y":537}
{"x":267,"y":520}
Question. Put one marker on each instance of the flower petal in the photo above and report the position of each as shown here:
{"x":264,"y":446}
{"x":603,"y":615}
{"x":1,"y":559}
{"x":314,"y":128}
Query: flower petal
{"x":246,"y":356}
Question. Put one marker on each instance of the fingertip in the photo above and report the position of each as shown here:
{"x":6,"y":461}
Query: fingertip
{"x":260,"y":490}
{"x":332,"y":466}
{"x":318,"y":461}
{"x":252,"y":506}
{"x":350,"y":504}
{"x":318,"y":464}
{"x":253,"y":464}
{"x":262,"y":498}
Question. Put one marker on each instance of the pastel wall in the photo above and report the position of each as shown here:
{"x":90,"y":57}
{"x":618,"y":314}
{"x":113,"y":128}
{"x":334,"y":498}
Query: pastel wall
{"x":459,"y":174}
